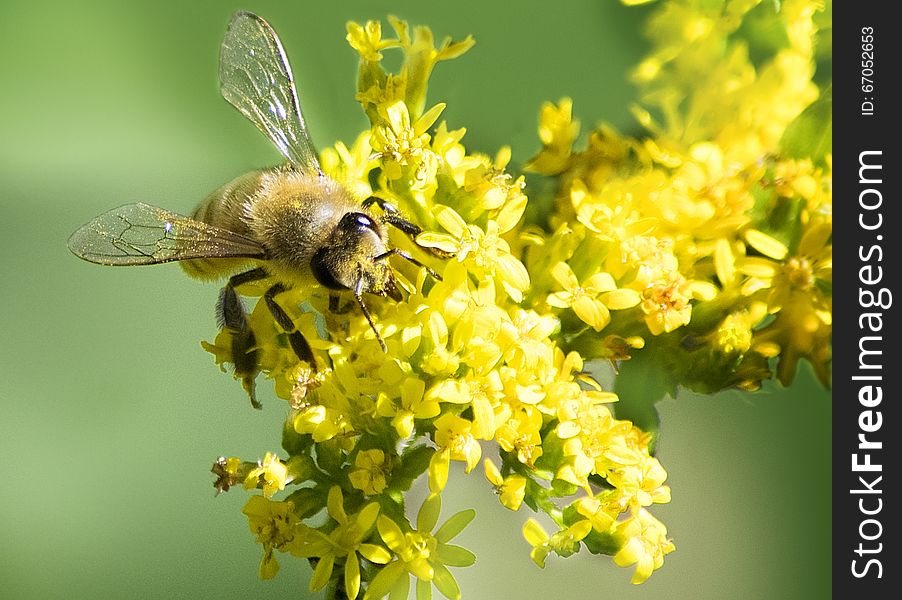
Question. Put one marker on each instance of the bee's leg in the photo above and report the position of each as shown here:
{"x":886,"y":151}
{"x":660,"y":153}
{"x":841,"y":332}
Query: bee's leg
{"x":408,"y":257}
{"x":358,"y":295}
{"x":392,"y":216}
{"x":335,"y":305}
{"x":232,"y":316}
{"x":295,"y":338}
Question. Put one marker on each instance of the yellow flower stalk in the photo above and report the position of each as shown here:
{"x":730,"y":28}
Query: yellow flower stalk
{"x":697,"y":254}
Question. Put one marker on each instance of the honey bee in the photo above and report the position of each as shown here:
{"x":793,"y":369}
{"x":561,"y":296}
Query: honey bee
{"x":290,"y":224}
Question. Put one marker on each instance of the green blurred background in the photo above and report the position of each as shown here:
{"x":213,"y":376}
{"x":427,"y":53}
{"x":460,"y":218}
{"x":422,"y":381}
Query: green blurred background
{"x":112,"y":413}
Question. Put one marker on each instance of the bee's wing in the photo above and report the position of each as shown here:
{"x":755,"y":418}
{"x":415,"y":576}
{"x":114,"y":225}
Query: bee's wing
{"x":141,"y":234}
{"x":255,"y":77}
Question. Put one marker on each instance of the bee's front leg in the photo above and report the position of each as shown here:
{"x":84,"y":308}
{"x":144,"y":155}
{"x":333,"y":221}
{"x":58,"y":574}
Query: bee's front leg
{"x":392,"y":216}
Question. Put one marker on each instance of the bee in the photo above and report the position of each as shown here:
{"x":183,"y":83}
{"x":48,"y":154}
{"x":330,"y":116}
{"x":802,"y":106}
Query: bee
{"x":290,"y":224}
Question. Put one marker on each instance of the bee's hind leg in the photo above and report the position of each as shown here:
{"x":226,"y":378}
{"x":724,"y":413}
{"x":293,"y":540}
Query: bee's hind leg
{"x":297,"y":340}
{"x":232,"y":316}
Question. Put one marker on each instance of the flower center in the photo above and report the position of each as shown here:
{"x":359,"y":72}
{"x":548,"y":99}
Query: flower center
{"x":799,"y":273}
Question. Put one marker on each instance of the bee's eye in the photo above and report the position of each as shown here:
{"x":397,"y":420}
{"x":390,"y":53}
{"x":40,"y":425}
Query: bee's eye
{"x":364,"y":221}
{"x":356,"y":221}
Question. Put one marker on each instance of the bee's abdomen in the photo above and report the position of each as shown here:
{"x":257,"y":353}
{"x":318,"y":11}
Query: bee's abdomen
{"x":225,"y":208}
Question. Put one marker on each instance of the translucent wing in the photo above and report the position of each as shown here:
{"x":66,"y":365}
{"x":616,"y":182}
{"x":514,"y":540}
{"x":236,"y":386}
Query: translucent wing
{"x":141,"y":234}
{"x":254,"y":76}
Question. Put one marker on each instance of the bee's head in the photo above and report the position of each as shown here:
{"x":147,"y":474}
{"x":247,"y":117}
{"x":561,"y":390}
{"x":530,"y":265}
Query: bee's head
{"x":355,"y":258}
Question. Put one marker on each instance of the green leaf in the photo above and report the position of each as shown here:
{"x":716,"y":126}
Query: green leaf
{"x":329,"y":456}
{"x":640,"y":384}
{"x":562,"y":489}
{"x":307,"y":501}
{"x":601,"y":543}
{"x":293,"y":442}
{"x":810,"y":135}
{"x":764,"y":31}
{"x":413,"y":463}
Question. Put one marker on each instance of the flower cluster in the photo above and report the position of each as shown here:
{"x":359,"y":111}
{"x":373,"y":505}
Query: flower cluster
{"x":705,"y":246}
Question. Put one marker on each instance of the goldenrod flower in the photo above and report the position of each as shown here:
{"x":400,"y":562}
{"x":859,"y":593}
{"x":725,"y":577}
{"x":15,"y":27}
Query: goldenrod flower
{"x":370,"y":473}
{"x":343,"y":542}
{"x":521,"y":434}
{"x":591,"y":299}
{"x":276,"y":527}
{"x":401,"y":144}
{"x":511,"y":490}
{"x":644,"y":542}
{"x":272,"y":472}
{"x":423,"y":554}
{"x":367,"y":40}
{"x":455,"y":434}
{"x":563,"y":542}
{"x":411,"y":405}
{"x":557,"y":131}
{"x":703,"y":245}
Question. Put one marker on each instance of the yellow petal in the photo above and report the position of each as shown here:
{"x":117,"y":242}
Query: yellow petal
{"x":724,"y":262}
{"x":560,"y":299}
{"x":564,"y":275}
{"x":450,"y":220}
{"x":510,"y":214}
{"x":600,"y":282}
{"x":428,"y":119}
{"x":621,"y":299}
{"x":438,"y":471}
{"x":766,"y":245}
{"x":492,"y":473}
{"x":758,"y":267}
{"x":534,"y":533}
{"x":513,"y":272}
{"x":440,"y":241}
{"x":592,"y":312}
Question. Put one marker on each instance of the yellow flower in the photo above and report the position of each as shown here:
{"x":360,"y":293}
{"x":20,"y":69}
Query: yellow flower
{"x":564,"y":542}
{"x":413,"y":405}
{"x":597,"y":512}
{"x":423,"y":554}
{"x":511,"y":489}
{"x":483,"y":251}
{"x":590,"y":300}
{"x":370,"y":473}
{"x":276,"y":527}
{"x":643,"y":542}
{"x":367,"y":40}
{"x":482,"y":393}
{"x":557,"y":131}
{"x":521,"y":433}
{"x":454,"y":433}
{"x":273,"y":473}
{"x":643,"y":481}
{"x":666,"y":305}
{"x":399,"y":144}
{"x":345,"y":541}
{"x":794,"y":284}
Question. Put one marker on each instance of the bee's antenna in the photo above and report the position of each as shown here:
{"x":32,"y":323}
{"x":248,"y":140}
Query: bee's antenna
{"x":358,"y":294}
